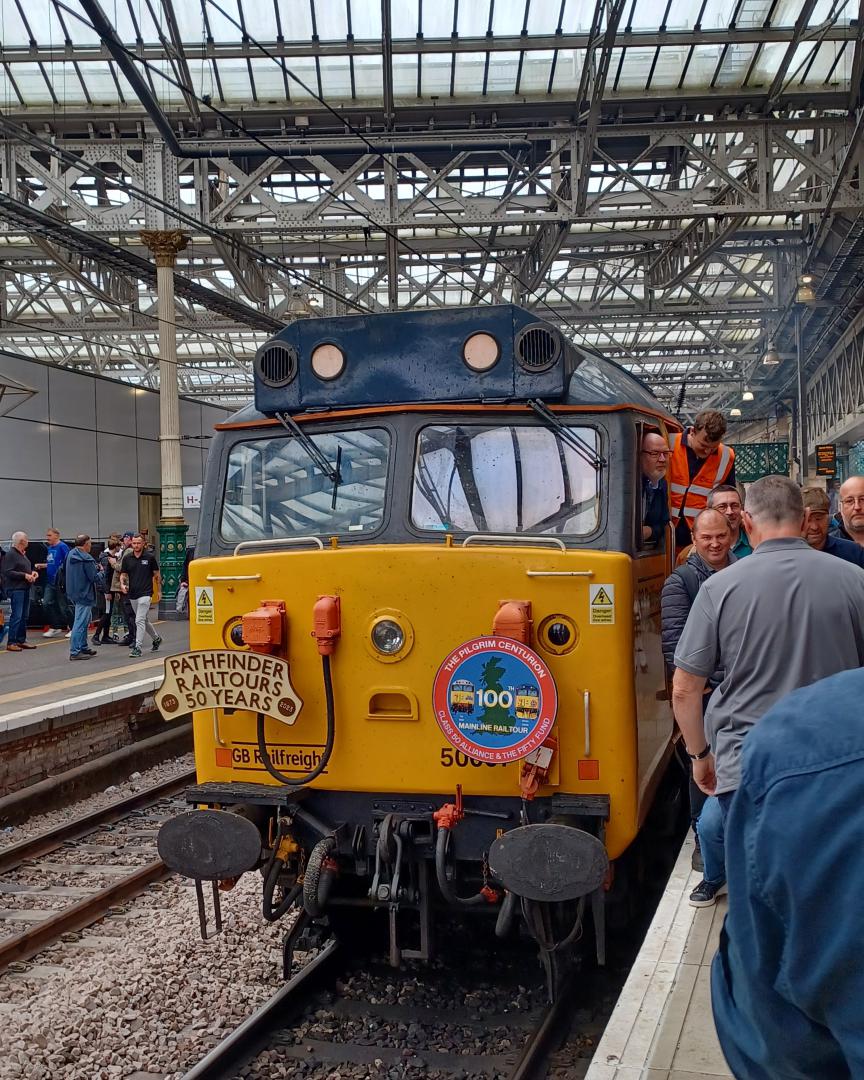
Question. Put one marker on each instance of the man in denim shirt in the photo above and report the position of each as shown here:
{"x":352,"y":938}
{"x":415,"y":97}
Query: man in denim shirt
{"x":787,"y":984}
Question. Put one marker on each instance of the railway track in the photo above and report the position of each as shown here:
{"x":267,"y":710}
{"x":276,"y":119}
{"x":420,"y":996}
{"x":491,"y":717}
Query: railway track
{"x":108,"y":857}
{"x":478,"y":1020}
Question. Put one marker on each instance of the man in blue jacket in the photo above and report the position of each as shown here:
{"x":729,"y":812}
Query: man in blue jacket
{"x":54,"y":600}
{"x":787,"y":984}
{"x":655,"y":493}
{"x":81,"y":570}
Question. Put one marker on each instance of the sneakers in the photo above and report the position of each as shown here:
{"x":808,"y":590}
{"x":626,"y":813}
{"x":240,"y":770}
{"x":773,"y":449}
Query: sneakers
{"x":157,"y":641}
{"x":67,"y":635}
{"x":705,"y":894}
{"x":53,"y":633}
{"x":134,"y":651}
{"x":696,"y":859}
{"x":83,"y":655}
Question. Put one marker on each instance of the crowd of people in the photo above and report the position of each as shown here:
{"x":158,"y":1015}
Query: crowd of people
{"x":118,"y":586}
{"x":763,"y":632}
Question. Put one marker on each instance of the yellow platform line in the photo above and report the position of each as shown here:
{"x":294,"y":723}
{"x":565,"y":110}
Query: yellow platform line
{"x":82,"y":680}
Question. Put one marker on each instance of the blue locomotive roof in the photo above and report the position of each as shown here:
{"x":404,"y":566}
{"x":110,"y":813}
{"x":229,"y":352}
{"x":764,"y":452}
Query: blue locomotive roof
{"x":409,"y":357}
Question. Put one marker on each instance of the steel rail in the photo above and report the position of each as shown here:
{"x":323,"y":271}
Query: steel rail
{"x":545,"y":1039}
{"x":12,"y":856}
{"x":247,"y":1039}
{"x":77,"y":916}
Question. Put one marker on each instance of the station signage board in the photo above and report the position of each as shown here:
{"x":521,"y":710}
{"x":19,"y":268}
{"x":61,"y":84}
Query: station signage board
{"x":826,"y":459}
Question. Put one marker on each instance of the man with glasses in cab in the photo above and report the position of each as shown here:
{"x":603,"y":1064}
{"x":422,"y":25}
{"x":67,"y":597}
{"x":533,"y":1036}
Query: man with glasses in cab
{"x":655,"y":499}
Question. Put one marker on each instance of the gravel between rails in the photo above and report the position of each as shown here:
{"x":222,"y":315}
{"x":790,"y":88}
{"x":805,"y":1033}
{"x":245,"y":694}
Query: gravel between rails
{"x":152,"y":1001}
{"x":121,"y":790}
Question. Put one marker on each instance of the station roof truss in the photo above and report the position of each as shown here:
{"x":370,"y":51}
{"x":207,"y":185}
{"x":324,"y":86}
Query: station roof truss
{"x":652,"y":176}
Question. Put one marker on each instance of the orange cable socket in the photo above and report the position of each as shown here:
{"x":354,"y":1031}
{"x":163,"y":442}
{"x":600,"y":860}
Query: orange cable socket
{"x":327,"y":624}
{"x":513,"y":620}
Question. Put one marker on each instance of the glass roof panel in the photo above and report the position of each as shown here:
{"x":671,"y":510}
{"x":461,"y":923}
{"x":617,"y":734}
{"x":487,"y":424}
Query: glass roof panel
{"x":365,"y":19}
{"x":405,"y":18}
{"x":405,"y":75}
{"x":824,"y":63}
{"x":473,"y":19}
{"x":436,"y":74}
{"x":438,"y":19}
{"x":259,"y":18}
{"x":368,"y":77}
{"x":332,"y":18}
{"x":296,"y":20}
{"x":736,"y":64}
{"x":568,"y":70}
{"x":535,"y":70}
{"x":508,"y":16}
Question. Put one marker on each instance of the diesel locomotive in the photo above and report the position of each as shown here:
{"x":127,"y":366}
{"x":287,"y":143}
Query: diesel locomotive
{"x":425,"y":665}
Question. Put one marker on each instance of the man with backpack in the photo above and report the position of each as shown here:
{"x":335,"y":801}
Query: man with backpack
{"x":711,"y":551}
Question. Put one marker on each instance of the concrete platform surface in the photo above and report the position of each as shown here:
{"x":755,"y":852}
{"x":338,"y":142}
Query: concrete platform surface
{"x":41,"y":678}
{"x":662,"y":1027}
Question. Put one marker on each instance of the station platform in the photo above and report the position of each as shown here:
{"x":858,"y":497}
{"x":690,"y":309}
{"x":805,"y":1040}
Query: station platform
{"x":57,"y":717}
{"x":662,"y":1027}
{"x":42,"y":683}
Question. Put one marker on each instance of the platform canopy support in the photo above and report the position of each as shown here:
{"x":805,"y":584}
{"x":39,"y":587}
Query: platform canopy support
{"x":165,"y":244}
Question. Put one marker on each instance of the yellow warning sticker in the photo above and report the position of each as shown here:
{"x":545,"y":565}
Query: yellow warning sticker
{"x":204,"y":604}
{"x":601,"y":604}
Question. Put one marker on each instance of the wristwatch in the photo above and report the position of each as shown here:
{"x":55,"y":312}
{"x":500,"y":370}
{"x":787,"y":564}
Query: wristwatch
{"x":702,"y":753}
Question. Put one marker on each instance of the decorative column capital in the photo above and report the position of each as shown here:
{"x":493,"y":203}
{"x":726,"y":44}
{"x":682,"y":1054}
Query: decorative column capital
{"x":165,"y":244}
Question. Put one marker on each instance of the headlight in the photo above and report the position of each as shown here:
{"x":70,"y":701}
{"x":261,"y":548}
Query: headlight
{"x":388,"y":637}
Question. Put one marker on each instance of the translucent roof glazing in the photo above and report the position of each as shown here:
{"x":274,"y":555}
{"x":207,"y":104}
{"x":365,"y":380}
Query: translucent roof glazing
{"x":448,"y":50}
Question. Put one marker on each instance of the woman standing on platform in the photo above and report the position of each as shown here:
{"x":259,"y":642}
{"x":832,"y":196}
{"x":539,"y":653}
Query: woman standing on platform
{"x":105,"y":584}
{"x":18,"y":576}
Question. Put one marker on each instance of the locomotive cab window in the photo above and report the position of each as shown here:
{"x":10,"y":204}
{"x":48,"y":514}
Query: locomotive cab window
{"x":274,"y":488}
{"x":505,"y":479}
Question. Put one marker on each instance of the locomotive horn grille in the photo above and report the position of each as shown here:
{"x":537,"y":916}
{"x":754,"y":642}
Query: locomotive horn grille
{"x":277,"y":364}
{"x":537,"y":348}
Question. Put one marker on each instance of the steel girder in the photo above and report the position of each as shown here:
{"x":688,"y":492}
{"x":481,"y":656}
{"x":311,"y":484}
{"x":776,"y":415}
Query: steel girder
{"x":768,"y":167}
{"x":835,"y":394}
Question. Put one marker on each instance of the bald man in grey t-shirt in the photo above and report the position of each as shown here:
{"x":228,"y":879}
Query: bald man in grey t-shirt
{"x":780,"y":620}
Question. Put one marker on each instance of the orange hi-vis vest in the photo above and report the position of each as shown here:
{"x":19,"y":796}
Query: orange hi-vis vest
{"x":692,"y":495}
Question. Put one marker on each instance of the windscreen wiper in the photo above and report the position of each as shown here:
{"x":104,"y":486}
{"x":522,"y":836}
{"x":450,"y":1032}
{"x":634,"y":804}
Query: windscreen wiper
{"x":293,"y":428}
{"x":567,"y":435}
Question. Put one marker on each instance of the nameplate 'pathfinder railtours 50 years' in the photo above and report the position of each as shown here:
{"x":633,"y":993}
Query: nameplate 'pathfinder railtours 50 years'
{"x":228,"y":679}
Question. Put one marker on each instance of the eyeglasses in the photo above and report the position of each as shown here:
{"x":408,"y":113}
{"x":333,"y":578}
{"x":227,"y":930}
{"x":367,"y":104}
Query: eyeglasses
{"x":852,"y":500}
{"x":723,"y":507}
{"x":657,"y":453}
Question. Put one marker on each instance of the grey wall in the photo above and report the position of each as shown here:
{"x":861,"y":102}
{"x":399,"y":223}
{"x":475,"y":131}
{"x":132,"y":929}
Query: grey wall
{"x":77,"y":453}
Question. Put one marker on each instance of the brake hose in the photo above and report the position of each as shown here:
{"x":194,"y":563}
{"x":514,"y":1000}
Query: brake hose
{"x":290,"y":781}
{"x":441,"y":874}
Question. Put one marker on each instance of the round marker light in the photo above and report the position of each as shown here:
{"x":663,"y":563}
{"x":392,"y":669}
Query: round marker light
{"x":236,"y":635}
{"x":328,"y":361}
{"x":559,"y":633}
{"x":481,"y":352}
{"x":388,"y":637}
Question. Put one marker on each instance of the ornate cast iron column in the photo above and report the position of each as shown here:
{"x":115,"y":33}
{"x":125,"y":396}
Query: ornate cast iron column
{"x":165,"y":244}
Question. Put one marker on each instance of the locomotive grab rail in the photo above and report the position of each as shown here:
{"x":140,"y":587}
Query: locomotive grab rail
{"x":586,"y":704}
{"x":559,"y":573}
{"x":538,"y":541}
{"x":279,"y":541}
{"x":233,"y":577}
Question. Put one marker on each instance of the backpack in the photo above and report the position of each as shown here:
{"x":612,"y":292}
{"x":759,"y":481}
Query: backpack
{"x":102,"y":580}
{"x":60,"y":577}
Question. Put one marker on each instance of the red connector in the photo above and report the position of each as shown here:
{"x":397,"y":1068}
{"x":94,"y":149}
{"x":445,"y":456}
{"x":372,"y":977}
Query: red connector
{"x":450,"y":814}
